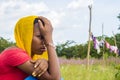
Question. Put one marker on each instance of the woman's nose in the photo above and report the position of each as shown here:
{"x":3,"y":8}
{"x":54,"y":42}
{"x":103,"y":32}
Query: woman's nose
{"x":43,"y":43}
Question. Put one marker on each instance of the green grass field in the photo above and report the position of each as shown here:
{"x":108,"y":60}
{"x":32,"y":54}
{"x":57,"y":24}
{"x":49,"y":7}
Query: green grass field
{"x":95,"y":72}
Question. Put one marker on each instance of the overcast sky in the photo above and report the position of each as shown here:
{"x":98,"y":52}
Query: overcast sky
{"x":70,"y":18}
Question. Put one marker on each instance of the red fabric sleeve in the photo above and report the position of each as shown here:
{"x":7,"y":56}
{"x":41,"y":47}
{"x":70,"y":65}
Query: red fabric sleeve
{"x":16,"y":57}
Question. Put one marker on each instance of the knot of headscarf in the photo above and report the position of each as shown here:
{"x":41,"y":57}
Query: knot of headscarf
{"x":23,"y":35}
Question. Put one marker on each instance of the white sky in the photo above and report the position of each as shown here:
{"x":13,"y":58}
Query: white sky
{"x":70,"y":18}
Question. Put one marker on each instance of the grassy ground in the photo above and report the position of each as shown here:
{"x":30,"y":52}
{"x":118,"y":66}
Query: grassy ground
{"x":95,"y":72}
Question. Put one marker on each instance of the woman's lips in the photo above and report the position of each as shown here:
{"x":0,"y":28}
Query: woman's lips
{"x":42,"y":49}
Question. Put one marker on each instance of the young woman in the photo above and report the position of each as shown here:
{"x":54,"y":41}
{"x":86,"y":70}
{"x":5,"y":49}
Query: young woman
{"x":34,"y":53}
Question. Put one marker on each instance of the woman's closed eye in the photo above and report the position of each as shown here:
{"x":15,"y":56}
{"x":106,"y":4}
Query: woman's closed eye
{"x":40,"y":37}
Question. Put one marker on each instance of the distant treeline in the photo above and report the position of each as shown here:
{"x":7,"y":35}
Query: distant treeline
{"x":4,"y":43}
{"x":80,"y":50}
{"x":70,"y":49}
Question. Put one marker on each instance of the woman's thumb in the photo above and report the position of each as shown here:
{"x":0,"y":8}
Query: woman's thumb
{"x":32,"y":61}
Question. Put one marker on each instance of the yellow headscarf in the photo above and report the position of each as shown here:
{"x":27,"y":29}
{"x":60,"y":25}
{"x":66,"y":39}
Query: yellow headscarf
{"x":23,"y":35}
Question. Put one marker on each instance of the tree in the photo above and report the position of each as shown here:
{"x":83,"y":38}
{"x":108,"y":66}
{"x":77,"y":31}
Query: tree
{"x":61,"y":48}
{"x":69,"y":50}
{"x":118,"y":40}
{"x":5,"y":43}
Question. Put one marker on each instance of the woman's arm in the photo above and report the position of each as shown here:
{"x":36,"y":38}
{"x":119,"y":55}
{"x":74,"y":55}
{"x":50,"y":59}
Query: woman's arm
{"x":53,"y":69}
{"x":53,"y":63}
{"x":35,"y":69}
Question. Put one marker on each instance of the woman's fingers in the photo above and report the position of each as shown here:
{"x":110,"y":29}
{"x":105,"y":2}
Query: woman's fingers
{"x":45,"y":20}
{"x":39,"y":71}
{"x":40,"y":24}
{"x":38,"y":63}
{"x":32,"y":61}
{"x":40,"y":66}
{"x":42,"y":72}
{"x":46,"y":30}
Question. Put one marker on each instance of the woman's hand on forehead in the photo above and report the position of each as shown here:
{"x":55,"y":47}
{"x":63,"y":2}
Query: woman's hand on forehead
{"x":46,"y":29}
{"x":45,"y":20}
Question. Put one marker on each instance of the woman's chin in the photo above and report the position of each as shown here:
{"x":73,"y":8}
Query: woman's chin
{"x":39,"y":53}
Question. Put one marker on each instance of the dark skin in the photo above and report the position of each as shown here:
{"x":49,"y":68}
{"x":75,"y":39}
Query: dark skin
{"x":41,"y":68}
{"x":38,"y":45}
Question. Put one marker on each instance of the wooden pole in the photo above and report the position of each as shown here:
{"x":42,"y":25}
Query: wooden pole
{"x":88,"y":52}
{"x":103,"y":38}
{"x":104,"y":62}
{"x":115,"y":41}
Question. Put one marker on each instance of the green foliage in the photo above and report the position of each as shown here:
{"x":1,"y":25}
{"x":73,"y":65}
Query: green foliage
{"x":117,"y":67}
{"x":5,"y":43}
{"x":118,"y":40}
{"x":69,"y":50}
{"x":95,"y":72}
{"x":117,"y":75}
{"x":61,"y":48}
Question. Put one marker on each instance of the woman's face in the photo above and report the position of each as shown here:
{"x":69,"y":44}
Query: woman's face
{"x":38,"y":46}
